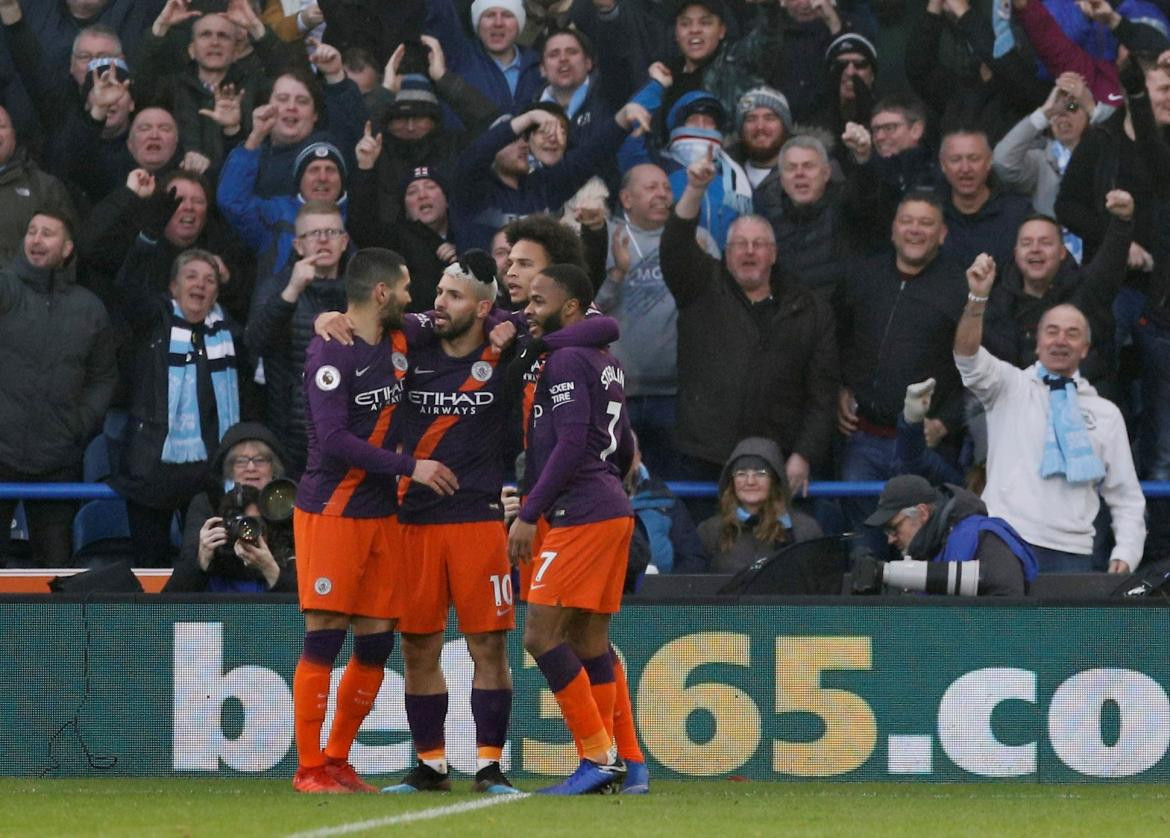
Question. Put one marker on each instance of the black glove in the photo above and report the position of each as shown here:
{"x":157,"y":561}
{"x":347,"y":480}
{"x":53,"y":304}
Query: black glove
{"x":1133,"y":78}
{"x":866,"y":574}
{"x":522,"y":364}
{"x":159,"y":209}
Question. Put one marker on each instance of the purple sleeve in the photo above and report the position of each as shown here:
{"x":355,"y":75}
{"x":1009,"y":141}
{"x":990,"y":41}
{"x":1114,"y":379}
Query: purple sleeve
{"x":329,"y":407}
{"x":419,"y":329}
{"x":499,"y":315}
{"x":594,"y":330}
{"x":571,"y":425}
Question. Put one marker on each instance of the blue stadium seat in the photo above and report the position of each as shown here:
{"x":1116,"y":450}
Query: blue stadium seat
{"x":96,"y":466}
{"x":115,"y":423}
{"x":18,"y":526}
{"x":101,"y":526}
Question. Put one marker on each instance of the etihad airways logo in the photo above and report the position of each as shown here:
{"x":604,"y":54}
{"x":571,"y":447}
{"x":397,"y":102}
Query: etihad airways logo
{"x":450,"y":404}
{"x":377,"y":398}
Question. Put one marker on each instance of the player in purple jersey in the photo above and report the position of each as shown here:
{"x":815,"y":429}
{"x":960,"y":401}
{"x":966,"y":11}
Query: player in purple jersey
{"x":579,"y":447}
{"x":347,"y":542}
{"x":456,"y":546}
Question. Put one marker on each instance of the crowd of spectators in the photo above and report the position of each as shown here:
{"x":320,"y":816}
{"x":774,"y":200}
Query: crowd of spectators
{"x":789,"y":206}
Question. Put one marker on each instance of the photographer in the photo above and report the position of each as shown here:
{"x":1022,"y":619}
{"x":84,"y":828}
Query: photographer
{"x":249,"y":460}
{"x":950,"y":544}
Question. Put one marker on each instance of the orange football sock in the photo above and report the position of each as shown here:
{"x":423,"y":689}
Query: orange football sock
{"x":355,"y":697}
{"x":582,"y":717}
{"x":310,"y":698}
{"x":623,"y":717}
{"x":605,"y":697}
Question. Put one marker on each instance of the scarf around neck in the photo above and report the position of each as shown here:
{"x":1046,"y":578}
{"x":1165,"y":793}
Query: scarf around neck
{"x":1068,"y":450}
{"x":184,"y":442}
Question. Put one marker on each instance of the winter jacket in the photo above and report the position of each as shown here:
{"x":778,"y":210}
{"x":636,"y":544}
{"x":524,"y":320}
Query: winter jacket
{"x":25,"y":189}
{"x":895,"y":331}
{"x":342,"y":124}
{"x":747,"y":548}
{"x":57,"y":370}
{"x":816,"y":241}
{"x":467,"y":56}
{"x":1012,"y":317}
{"x":990,"y":229}
{"x":141,"y":475}
{"x":768,"y":369}
{"x":438,"y":149}
{"x":188,"y":576}
{"x":280,"y":332}
{"x":481,"y":203}
{"x":959,"y":94}
{"x":165,"y":72}
{"x":266,"y":225}
{"x":960,"y":530}
{"x":667,"y":526}
{"x":112,"y":229}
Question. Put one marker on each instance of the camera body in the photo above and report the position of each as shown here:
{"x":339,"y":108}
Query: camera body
{"x":273,"y":525}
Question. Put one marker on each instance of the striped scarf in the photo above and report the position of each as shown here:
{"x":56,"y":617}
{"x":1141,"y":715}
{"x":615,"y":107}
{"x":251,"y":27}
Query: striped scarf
{"x":184,"y":442}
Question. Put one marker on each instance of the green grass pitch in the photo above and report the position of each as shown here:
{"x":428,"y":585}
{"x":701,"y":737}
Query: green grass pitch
{"x":693,"y":809}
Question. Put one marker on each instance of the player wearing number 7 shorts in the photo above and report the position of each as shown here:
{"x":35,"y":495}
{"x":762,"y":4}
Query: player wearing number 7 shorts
{"x":579,"y":446}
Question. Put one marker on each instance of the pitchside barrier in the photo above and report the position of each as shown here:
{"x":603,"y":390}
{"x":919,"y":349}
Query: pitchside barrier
{"x":909,"y":688}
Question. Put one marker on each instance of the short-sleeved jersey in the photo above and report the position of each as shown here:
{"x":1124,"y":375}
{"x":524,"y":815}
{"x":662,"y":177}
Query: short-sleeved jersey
{"x":454,"y":412}
{"x":579,"y":440}
{"x":351,"y":393}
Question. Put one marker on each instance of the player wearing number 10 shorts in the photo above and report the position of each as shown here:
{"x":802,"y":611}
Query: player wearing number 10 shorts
{"x":579,"y":446}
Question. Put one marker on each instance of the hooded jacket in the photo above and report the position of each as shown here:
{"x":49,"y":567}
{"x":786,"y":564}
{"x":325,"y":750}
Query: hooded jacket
{"x":57,"y":371}
{"x":24,"y":189}
{"x":738,"y":377}
{"x":747,"y":549}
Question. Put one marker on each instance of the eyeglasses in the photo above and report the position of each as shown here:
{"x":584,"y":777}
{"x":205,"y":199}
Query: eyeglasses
{"x":754,"y":244}
{"x":888,"y":127}
{"x":745,"y":473}
{"x":892,"y":525}
{"x":327,"y":233}
{"x":243,"y":461}
{"x":855,"y":63}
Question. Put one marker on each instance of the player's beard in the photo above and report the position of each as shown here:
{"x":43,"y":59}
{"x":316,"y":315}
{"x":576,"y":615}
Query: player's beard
{"x":454,"y":329}
{"x":552,"y":323}
{"x":392,"y":314}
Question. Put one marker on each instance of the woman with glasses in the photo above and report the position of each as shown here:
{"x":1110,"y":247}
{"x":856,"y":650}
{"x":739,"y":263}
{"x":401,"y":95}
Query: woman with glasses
{"x":755,"y":517}
{"x":249,"y":456}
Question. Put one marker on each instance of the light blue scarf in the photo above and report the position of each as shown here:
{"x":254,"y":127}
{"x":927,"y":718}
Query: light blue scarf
{"x":743,"y":516}
{"x":184,"y":442}
{"x":688,"y":144}
{"x":1068,"y":451}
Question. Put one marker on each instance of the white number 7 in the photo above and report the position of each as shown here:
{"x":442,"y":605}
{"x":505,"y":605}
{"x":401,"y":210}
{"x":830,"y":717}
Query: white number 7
{"x":546,"y":558}
{"x":614,"y":409}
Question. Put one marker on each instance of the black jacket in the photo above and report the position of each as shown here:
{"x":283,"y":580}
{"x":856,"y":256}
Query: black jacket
{"x":817,"y":240}
{"x":280,"y":332}
{"x":1009,"y":325}
{"x":990,"y":229}
{"x":737,"y":378}
{"x":57,"y":370}
{"x":141,"y":475}
{"x":894,"y":332}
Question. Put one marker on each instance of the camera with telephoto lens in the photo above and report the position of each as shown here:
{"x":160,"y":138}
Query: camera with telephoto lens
{"x":273,"y":525}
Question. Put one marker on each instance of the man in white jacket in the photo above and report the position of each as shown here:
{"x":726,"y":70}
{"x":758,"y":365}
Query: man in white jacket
{"x":1054,"y":446}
